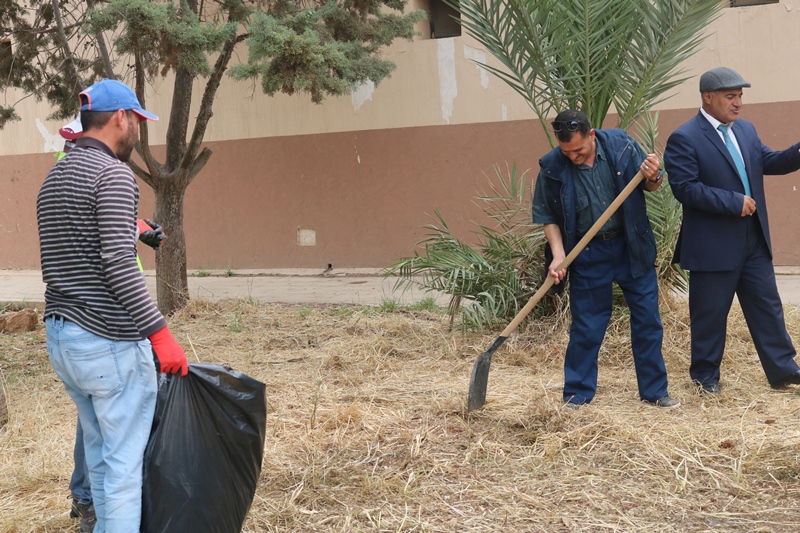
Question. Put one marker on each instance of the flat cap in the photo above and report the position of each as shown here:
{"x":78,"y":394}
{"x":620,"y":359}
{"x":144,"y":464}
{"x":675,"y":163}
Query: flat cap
{"x":721,"y":78}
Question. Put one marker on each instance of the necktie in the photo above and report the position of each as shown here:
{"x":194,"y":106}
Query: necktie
{"x":737,"y":157}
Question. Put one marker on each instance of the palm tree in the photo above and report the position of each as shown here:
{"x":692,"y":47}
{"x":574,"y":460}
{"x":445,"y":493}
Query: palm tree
{"x":589,"y":54}
{"x":593,"y":55}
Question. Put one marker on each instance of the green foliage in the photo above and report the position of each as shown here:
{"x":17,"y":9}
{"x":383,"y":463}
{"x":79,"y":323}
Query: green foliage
{"x":664,"y":212}
{"x":428,"y":304}
{"x":317,"y":47}
{"x":164,"y":35}
{"x":235,"y":323}
{"x":388,"y":305}
{"x":305,"y":312}
{"x":369,"y":311}
{"x":589,"y":54}
{"x":251,"y":300}
{"x":499,"y":273}
{"x":52,"y":58}
{"x":202,"y":272}
{"x":321,"y":51}
{"x":7,"y":115}
{"x":343,"y":311}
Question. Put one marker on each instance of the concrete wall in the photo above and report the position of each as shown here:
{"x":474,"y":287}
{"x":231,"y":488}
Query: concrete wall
{"x":364,"y":194}
{"x":363,"y":171}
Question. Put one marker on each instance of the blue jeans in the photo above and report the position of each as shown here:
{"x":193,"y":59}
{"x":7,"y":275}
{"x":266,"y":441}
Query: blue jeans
{"x":590,"y":296}
{"x":79,"y":485}
{"x":113,"y":385}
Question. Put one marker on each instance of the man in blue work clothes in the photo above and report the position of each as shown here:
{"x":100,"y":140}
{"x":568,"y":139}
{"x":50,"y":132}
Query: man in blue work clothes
{"x":578,"y":180}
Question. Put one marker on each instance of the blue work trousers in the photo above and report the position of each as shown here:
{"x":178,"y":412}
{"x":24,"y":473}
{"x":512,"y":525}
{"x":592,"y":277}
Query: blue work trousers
{"x":591,"y":277}
{"x":79,"y":484}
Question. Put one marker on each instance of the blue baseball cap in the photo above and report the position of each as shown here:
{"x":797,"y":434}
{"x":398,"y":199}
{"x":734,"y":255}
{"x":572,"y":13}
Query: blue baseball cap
{"x":111,"y":95}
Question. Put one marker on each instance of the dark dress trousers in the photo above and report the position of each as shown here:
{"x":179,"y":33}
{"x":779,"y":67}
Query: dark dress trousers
{"x":726,"y":253}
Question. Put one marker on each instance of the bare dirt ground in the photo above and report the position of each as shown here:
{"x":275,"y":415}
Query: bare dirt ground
{"x":367,"y":429}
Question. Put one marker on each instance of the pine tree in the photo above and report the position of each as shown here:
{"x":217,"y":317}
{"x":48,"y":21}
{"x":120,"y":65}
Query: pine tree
{"x":305,"y":46}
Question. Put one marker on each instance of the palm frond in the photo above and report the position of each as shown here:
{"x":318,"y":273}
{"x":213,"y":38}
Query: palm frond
{"x":498,"y":273}
{"x":664,"y":212}
{"x":588,"y":54}
{"x":672,"y":32}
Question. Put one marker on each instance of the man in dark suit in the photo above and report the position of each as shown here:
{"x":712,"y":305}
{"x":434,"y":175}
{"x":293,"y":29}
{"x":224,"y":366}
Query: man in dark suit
{"x":716,"y":165}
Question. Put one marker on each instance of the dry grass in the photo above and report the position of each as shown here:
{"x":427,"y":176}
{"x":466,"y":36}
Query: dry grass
{"x":367,"y":429}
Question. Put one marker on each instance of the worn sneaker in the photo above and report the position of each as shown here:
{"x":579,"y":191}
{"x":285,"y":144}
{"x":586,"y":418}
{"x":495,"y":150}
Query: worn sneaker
{"x":666,"y":402}
{"x":88,"y":521}
{"x":78,"y":508}
{"x":84,"y":511}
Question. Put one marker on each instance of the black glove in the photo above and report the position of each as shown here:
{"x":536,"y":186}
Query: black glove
{"x":151,"y":237}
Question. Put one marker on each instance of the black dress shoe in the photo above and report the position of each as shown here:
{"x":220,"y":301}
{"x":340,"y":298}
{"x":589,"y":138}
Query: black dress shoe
{"x":791,"y":379}
{"x":709,"y":388}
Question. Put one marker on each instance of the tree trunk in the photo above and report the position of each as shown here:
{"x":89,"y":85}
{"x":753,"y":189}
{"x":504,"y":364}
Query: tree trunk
{"x":171,"y":281}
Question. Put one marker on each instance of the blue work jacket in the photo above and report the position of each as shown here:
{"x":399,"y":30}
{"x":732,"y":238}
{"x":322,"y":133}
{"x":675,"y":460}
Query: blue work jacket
{"x":557,"y":192}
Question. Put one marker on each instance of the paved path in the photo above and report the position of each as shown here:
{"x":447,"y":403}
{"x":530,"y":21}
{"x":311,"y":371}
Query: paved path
{"x":342,"y":286}
{"x":346,"y":286}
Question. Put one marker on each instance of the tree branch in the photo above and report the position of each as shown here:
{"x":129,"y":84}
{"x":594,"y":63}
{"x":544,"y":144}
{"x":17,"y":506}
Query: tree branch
{"x":204,"y":115}
{"x":143,"y":146}
{"x":180,"y":111}
{"x":142,"y":173}
{"x":198,"y":164}
{"x":44,"y":31}
{"x":101,"y":44}
{"x":179,"y":118}
{"x":64,"y":41}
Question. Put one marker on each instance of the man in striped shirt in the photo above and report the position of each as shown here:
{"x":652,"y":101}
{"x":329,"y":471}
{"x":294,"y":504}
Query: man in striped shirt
{"x":99,"y":317}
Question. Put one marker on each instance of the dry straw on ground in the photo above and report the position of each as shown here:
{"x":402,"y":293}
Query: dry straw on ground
{"x":367,"y":429}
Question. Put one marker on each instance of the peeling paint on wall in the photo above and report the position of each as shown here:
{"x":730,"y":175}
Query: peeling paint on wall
{"x":362,"y":94}
{"x":479,"y":56}
{"x":52,"y":143}
{"x":448,"y":86}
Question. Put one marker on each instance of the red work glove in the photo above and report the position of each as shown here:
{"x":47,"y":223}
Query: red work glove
{"x":170,"y":355}
{"x":150,"y":233}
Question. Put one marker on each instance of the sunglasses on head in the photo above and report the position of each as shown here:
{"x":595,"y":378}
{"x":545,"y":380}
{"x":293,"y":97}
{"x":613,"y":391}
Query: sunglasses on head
{"x":570,"y":125}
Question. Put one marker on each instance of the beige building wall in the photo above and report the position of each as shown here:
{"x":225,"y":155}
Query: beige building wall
{"x":358,"y":174}
{"x":438,"y":83}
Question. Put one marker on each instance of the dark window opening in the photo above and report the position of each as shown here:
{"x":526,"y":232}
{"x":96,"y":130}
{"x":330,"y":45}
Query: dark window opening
{"x":444,"y":20}
{"x":741,"y":3}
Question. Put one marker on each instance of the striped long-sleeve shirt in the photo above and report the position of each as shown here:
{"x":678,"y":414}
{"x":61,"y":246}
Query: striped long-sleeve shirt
{"x":86,"y":211}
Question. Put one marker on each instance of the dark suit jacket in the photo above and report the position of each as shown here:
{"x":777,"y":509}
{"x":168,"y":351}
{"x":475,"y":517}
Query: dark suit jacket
{"x":703,"y":178}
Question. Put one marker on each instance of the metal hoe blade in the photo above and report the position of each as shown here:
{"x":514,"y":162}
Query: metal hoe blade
{"x":479,"y":379}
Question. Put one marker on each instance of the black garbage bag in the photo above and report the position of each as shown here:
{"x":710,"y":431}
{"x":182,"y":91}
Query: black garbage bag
{"x":203,"y":459}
